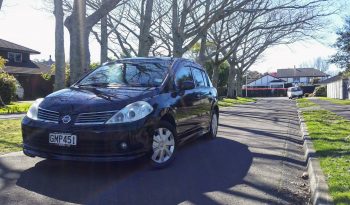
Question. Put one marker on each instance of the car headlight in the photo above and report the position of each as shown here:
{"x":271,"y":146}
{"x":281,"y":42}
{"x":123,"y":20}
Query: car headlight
{"x":132,"y":112}
{"x":33,"y":110}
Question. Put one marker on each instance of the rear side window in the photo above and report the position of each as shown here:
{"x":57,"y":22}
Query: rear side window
{"x":198,"y":77}
{"x":183,"y":74}
{"x":206,"y":79}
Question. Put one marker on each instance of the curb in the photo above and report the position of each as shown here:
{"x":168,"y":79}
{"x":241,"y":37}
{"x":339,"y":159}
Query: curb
{"x":12,"y":154}
{"x":318,"y":184}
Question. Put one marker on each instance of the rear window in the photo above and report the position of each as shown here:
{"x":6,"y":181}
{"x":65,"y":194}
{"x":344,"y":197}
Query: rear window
{"x":296,"y":89}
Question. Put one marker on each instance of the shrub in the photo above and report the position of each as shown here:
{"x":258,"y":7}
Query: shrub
{"x":320,"y":91}
{"x":7,"y":87}
{"x":307,"y":95}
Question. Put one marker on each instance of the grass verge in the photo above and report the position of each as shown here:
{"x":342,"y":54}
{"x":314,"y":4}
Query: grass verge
{"x":227,"y":102}
{"x":15,"y":107}
{"x":304,"y":102}
{"x":11,"y":136}
{"x":330,"y":134}
{"x":336,"y":101}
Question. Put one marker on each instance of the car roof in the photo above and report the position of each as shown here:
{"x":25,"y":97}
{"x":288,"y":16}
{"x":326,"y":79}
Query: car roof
{"x":170,"y":60}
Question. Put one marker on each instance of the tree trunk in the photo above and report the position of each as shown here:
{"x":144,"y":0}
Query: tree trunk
{"x":215,"y":76}
{"x":104,"y":41}
{"x":231,"y":84}
{"x":60,"y":67}
{"x":203,"y":48}
{"x":0,"y":4}
{"x":177,"y":31}
{"x":239,"y":82}
{"x":79,"y":42}
{"x":146,"y":40}
{"x":2,"y":104}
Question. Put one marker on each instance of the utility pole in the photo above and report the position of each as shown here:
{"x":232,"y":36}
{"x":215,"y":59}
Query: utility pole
{"x":246,"y":85}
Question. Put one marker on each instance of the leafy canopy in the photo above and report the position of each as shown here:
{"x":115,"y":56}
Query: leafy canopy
{"x":342,"y":57}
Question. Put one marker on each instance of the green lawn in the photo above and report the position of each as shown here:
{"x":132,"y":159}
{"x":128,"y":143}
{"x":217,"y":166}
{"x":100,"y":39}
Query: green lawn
{"x":336,"y":101}
{"x":330,"y":134}
{"x":15,"y":107}
{"x":10,"y":137}
{"x":227,"y":102}
{"x":304,"y":102}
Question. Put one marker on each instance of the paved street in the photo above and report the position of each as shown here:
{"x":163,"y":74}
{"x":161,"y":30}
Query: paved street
{"x":341,"y":110}
{"x":257,"y":159}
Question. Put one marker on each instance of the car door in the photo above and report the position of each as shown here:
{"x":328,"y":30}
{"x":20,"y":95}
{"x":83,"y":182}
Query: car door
{"x":185,"y":103}
{"x":201,"y":99}
{"x":209,"y":98}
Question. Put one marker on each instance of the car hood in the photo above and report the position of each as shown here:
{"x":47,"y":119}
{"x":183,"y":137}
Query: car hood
{"x":91,"y":99}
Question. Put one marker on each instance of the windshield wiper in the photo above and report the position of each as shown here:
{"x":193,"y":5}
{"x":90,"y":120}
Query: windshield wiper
{"x":94,"y":85}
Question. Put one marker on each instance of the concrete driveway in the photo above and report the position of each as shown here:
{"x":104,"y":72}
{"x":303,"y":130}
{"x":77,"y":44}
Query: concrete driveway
{"x":257,"y":159}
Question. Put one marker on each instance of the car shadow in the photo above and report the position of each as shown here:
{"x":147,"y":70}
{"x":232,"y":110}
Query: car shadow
{"x":200,"y":166}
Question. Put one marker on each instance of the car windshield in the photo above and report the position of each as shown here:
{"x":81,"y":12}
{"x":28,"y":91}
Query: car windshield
{"x":143,"y":74}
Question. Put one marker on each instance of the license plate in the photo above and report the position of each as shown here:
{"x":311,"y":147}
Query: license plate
{"x":63,"y":139}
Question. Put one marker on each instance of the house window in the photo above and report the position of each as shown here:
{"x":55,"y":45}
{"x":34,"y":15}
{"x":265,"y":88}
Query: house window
{"x":15,"y":57}
{"x":296,"y":79}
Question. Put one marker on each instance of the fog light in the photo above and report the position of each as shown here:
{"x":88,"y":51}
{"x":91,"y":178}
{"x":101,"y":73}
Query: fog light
{"x":123,"y":145}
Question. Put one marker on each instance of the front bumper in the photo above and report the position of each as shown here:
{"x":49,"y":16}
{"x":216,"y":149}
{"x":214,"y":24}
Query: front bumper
{"x":94,"y":143}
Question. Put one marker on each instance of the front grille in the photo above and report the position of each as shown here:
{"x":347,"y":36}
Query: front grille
{"x":48,"y":115}
{"x":94,"y":117}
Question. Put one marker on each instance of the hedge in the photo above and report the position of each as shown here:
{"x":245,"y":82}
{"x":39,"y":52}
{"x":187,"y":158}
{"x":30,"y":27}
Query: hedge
{"x":7,"y":87}
{"x":320,"y":91}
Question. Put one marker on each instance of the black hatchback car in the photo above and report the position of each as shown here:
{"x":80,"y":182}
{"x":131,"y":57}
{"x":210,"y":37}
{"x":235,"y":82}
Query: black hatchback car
{"x":123,"y":110}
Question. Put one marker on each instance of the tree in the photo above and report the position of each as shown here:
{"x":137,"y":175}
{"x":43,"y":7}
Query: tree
{"x":104,"y":40}
{"x":79,"y":26}
{"x":321,"y":64}
{"x":130,"y":27}
{"x":191,"y":19}
{"x":59,"y":46}
{"x":2,"y":63}
{"x":342,"y":57}
{"x":281,"y":23}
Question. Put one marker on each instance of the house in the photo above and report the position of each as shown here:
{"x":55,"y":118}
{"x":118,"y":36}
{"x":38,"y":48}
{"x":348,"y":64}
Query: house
{"x":337,"y":87}
{"x":266,"y":81}
{"x":27,"y":72}
{"x":301,"y":76}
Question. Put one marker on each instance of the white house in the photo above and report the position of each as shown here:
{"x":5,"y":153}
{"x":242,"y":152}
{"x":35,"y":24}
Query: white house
{"x":337,"y":87}
{"x":301,"y":76}
{"x":267,"y":81}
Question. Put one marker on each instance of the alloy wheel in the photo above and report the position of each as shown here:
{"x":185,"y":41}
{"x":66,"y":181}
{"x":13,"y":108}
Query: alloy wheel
{"x":163,"y":145}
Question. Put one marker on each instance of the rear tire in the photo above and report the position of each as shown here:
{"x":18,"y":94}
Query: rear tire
{"x":214,"y":124}
{"x":164,"y":145}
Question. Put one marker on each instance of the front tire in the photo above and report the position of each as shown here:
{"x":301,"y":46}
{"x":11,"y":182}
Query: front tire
{"x":164,"y":145}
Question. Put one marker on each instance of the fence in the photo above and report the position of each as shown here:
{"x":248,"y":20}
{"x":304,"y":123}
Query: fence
{"x":265,"y":92}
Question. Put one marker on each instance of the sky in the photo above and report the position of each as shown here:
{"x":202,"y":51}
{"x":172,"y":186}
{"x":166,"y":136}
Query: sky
{"x":28,"y":23}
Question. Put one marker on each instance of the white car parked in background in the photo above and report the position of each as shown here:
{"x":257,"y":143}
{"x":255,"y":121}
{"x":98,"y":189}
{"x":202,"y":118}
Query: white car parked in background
{"x":19,"y":91}
{"x":294,"y":92}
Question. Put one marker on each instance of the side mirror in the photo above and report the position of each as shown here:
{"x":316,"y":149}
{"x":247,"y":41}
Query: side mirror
{"x":187,"y":85}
